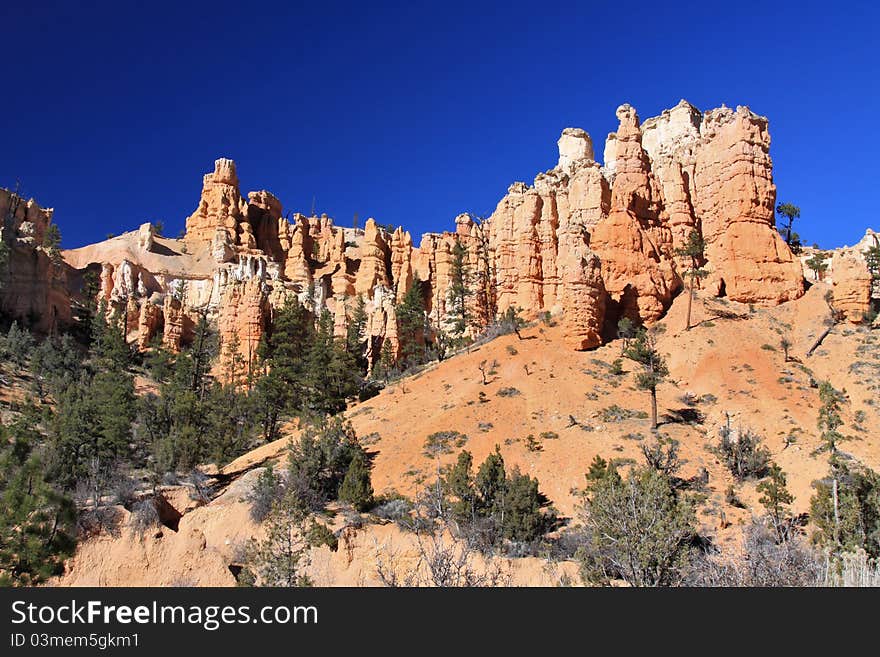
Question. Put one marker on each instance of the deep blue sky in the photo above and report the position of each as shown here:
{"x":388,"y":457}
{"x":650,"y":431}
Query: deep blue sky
{"x":415,"y":112}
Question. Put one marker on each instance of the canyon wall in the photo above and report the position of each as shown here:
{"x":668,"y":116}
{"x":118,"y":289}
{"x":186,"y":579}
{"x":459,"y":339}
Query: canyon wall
{"x":589,"y":242}
{"x":33,"y":280}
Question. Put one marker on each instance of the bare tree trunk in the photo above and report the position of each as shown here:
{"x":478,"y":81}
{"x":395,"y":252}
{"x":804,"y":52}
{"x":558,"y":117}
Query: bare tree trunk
{"x":653,"y":409}
{"x":836,"y":511}
{"x":690,"y":303}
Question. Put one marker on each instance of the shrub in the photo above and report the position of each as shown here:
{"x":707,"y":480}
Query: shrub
{"x":144,"y":517}
{"x":639,"y":529}
{"x":319,"y":535}
{"x":443,"y":442}
{"x":662,"y":455}
{"x":508,"y":392}
{"x":766,"y":562}
{"x":357,"y":489}
{"x":523,"y":519}
{"x":319,"y":462}
{"x":615,"y":413}
{"x":858,"y":510}
{"x":267,"y":490}
{"x":743,"y":454}
{"x":394,"y":509}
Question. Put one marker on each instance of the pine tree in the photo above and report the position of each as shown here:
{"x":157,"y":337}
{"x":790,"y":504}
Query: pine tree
{"x":872,"y":259}
{"x":290,"y":341}
{"x":52,"y":243}
{"x":87,"y":308}
{"x":233,"y":363}
{"x":846,"y":509}
{"x":357,"y":489}
{"x":319,"y":460}
{"x":641,"y":529}
{"x":829,"y":420}
{"x":490,"y":484}
{"x":201,"y":353}
{"x":523,"y":518}
{"x":355,"y":339}
{"x":512,"y":321}
{"x":37,"y":524}
{"x":282,"y":557}
{"x":108,"y":339}
{"x":91,"y":429}
{"x":460,"y":484}
{"x":56,"y":364}
{"x":459,"y":289}
{"x":693,"y":249}
{"x":410,"y":314}
{"x":599,"y":469}
{"x":642,"y":350}
{"x":332,"y":374}
{"x":626,"y":331}
{"x":790,"y":212}
{"x":19,"y":344}
{"x":269,"y":397}
{"x":817,"y":263}
{"x":776,"y":500}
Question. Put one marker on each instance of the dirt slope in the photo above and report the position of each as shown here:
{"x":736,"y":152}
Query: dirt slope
{"x":731,"y":361}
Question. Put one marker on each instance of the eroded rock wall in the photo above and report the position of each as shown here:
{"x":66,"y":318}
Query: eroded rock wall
{"x":589,"y":241}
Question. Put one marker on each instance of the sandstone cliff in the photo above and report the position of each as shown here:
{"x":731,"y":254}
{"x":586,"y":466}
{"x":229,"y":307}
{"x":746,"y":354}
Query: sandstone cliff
{"x":33,"y":283}
{"x":587,"y":241}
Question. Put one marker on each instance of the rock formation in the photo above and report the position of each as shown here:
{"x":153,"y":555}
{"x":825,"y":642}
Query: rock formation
{"x":586,"y":241}
{"x":241,"y":322}
{"x":33,"y":281}
{"x":734,"y":199}
{"x":851,"y":287}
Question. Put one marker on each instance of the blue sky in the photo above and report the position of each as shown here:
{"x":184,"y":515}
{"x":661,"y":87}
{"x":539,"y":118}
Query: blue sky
{"x":413,"y":112}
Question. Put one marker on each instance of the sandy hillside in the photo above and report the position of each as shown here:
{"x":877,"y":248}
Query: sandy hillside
{"x":730,"y":361}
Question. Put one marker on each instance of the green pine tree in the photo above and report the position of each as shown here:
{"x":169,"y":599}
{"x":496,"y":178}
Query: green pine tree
{"x":460,"y":484}
{"x":789,"y":213}
{"x":410,"y":314}
{"x":37,"y":524}
{"x":52,"y":243}
{"x":459,"y":289}
{"x":523,"y":518}
{"x":829,"y":420}
{"x":776,"y":499}
{"x":282,"y":557}
{"x":490,"y":484}
{"x":643,"y":351}
{"x":357,"y":489}
{"x":818,"y":264}
{"x":19,"y":344}
{"x":332,"y":375}
{"x":355,"y":338}
{"x":109,"y":345}
{"x":694,"y":250}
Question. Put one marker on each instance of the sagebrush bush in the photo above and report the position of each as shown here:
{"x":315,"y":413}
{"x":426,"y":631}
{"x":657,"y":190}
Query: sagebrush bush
{"x":144,"y":517}
{"x":267,"y":490}
{"x":508,"y":392}
{"x":743,"y":454}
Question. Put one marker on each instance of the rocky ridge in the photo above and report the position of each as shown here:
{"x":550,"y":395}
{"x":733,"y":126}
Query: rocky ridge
{"x":585,"y":241}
